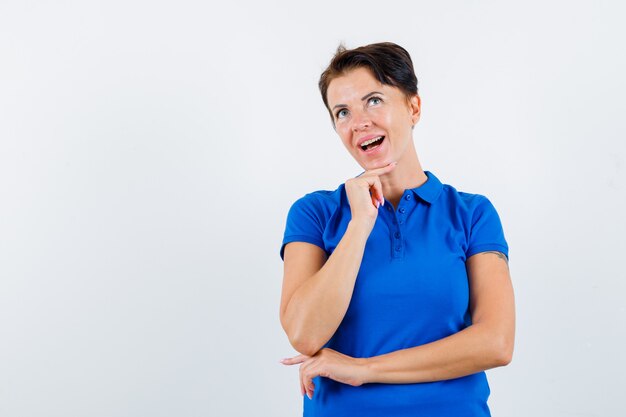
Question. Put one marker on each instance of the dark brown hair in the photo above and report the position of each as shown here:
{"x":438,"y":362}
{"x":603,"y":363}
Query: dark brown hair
{"x":389,"y":63}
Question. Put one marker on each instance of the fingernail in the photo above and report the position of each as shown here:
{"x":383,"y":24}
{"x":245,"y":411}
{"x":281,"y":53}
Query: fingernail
{"x":377,"y":203}
{"x":382,"y":201}
{"x":282,"y":360}
{"x":309,"y":395}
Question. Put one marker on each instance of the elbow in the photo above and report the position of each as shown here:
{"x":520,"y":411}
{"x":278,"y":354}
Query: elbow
{"x":300,"y":339}
{"x":305,"y":346}
{"x":504,"y":358}
{"x":498,"y":343}
{"x":308,"y":351}
{"x":503,"y":352}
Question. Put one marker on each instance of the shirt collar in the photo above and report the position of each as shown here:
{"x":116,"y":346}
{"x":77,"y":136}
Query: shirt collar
{"x":430,"y":190}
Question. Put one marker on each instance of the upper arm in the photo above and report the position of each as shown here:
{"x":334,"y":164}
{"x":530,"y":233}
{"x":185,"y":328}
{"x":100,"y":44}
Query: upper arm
{"x":491,"y":295}
{"x":301,"y":261}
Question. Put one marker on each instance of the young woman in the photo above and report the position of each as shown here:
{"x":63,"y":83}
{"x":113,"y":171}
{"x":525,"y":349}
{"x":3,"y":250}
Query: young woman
{"x":396,"y":287}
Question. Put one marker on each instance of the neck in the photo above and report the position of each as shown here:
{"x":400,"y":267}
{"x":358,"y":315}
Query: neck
{"x":408,"y":174}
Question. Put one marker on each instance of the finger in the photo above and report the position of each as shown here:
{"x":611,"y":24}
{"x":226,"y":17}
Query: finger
{"x":374,"y":186}
{"x":301,"y":378}
{"x":375,"y":201}
{"x":309,"y":386}
{"x":306,"y":376}
{"x":295,"y":360}
{"x":380,"y":171}
{"x":372,"y":181}
{"x":377,"y":191}
{"x":311,"y":390}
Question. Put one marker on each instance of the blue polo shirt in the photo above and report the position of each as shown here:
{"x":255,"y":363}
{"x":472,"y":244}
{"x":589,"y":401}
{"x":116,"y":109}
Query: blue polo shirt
{"x":411,"y":289}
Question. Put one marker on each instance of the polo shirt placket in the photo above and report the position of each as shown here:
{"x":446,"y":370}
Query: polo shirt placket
{"x":397,"y":221}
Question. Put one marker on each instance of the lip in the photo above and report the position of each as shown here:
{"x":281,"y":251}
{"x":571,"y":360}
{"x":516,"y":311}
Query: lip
{"x":376,"y":150}
{"x":368,"y":137}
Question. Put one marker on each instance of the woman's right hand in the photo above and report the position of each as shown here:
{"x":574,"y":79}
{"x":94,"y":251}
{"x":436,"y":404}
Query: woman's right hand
{"x":363,"y":205}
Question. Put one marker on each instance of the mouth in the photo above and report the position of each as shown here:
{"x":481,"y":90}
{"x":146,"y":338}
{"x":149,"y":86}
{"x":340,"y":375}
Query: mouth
{"x":373,"y":143}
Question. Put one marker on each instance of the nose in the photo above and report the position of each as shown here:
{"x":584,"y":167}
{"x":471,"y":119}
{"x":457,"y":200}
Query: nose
{"x":360,"y":121}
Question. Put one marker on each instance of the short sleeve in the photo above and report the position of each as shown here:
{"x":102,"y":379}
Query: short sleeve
{"x":486,"y":232}
{"x":304,"y":223}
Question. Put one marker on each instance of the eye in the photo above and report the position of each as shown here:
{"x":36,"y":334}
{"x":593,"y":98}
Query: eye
{"x":341,"y":113}
{"x":375,"y":100}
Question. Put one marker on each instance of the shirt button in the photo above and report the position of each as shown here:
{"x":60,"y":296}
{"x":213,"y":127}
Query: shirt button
{"x":402,"y":210}
{"x":407,"y":197}
{"x":397,"y":248}
{"x":397,"y":235}
{"x":400,"y":221}
{"x":389,"y":207}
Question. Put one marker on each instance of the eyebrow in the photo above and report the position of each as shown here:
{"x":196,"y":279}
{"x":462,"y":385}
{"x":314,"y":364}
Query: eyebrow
{"x":362,"y":98}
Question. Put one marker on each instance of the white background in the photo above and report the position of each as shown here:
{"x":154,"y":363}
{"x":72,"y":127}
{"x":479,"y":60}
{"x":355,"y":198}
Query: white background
{"x":150,"y":151}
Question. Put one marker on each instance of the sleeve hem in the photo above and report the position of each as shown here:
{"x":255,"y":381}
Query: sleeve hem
{"x":300,"y":238}
{"x":486,"y":247}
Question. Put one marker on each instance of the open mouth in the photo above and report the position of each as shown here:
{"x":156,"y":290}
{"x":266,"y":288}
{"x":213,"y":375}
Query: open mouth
{"x":372,"y":143}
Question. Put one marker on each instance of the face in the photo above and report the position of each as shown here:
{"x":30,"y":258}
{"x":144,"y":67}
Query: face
{"x":365,"y":110}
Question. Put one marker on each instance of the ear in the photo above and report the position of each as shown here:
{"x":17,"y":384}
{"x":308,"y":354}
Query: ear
{"x":415,"y":108}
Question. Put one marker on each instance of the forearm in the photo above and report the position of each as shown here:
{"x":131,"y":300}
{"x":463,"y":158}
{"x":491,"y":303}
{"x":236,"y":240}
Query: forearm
{"x":474,"y":349}
{"x":317,"y":308}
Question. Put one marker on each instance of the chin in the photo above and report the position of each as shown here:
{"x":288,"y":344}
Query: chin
{"x":383,"y":162}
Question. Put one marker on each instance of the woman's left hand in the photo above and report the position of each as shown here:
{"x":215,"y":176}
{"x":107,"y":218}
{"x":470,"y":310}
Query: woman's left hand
{"x":330,"y":364}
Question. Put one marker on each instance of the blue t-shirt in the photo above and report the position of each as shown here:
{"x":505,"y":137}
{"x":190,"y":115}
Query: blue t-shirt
{"x":411,"y":289}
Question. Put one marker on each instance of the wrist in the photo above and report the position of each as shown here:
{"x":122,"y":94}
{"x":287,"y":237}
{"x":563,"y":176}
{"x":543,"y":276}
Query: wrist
{"x":368,"y":374}
{"x":361,"y":225}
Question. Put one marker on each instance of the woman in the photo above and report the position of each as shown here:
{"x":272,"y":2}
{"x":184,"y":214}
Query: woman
{"x":396,"y":287}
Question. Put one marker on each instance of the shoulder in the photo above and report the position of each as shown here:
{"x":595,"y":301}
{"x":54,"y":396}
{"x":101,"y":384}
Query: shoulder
{"x":468,"y":208}
{"x":310,"y":215}
{"x":473,"y":214}
{"x":321,"y":202}
{"x":481,"y":221}
{"x":463,"y":202}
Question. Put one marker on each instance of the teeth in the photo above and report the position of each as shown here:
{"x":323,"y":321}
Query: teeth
{"x":367,"y":142}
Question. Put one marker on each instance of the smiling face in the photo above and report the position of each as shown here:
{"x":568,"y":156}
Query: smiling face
{"x":364,"y":110}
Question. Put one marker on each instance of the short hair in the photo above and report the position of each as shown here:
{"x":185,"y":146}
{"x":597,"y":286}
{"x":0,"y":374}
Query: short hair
{"x":389,"y":63}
